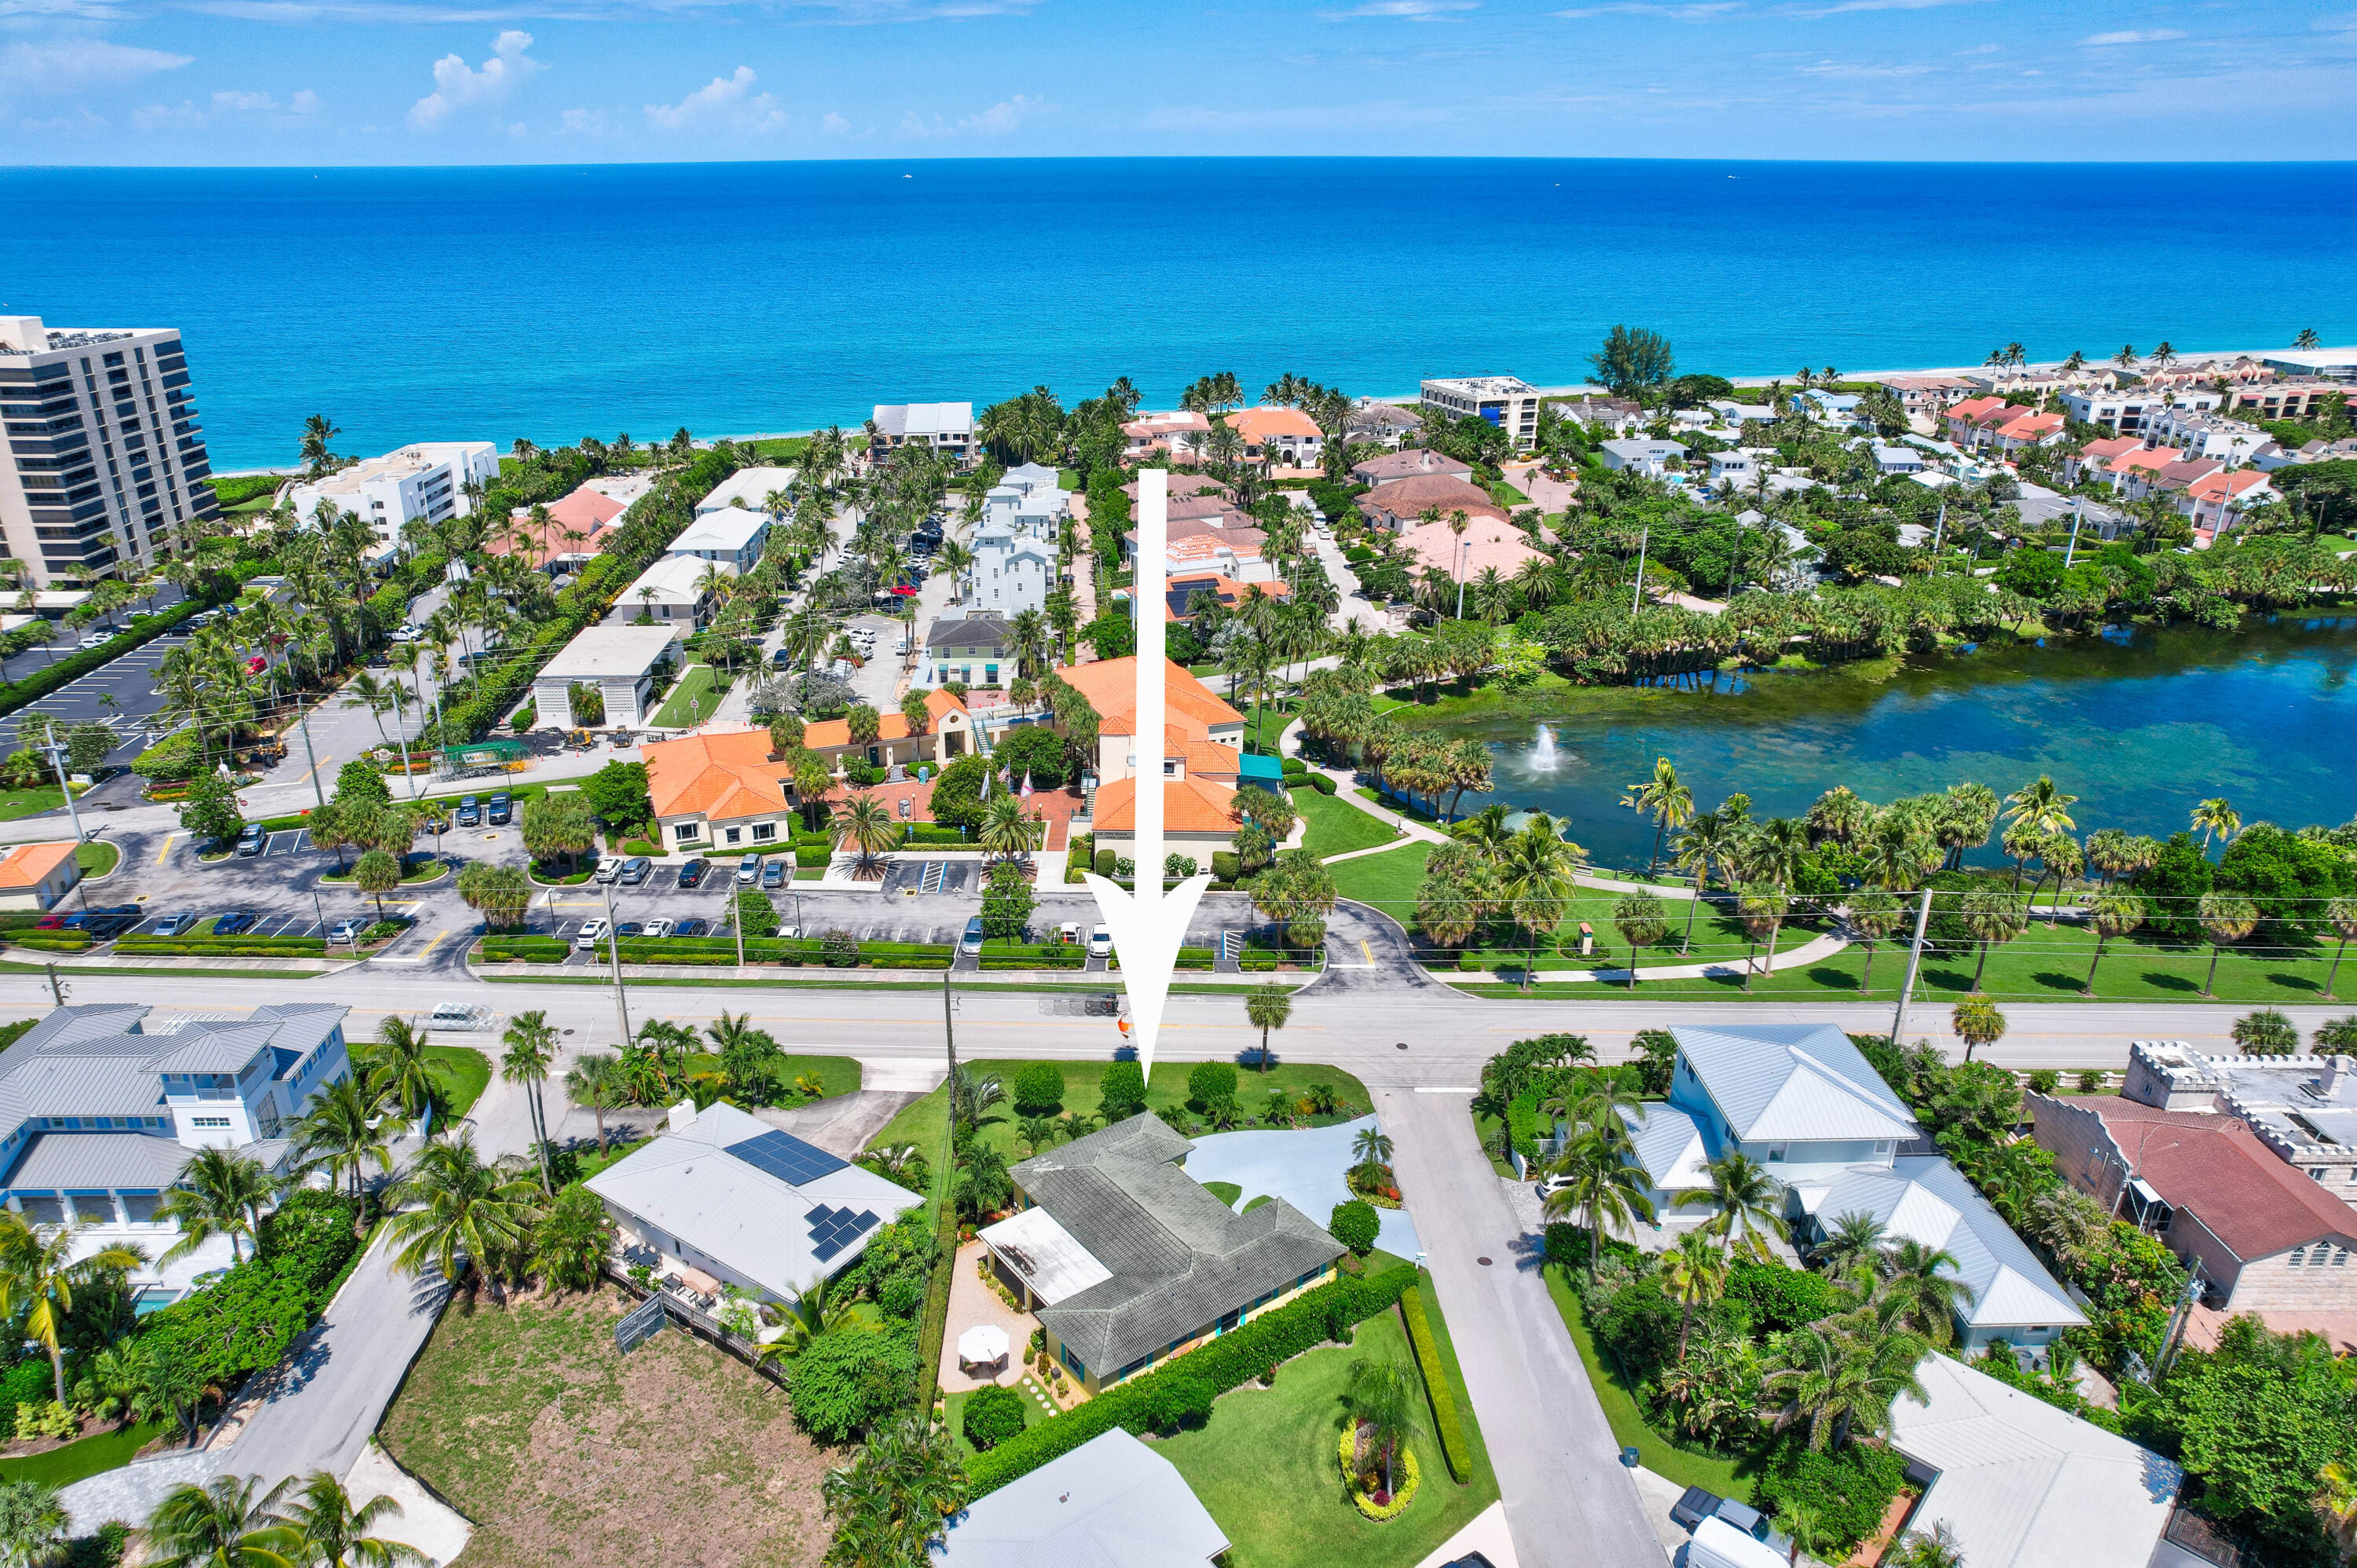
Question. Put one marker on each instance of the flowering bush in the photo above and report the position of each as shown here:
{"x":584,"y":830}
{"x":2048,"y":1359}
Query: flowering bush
{"x":1374,"y":1502}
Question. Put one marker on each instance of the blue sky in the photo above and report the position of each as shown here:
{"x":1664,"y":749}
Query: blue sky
{"x":506,"y":81}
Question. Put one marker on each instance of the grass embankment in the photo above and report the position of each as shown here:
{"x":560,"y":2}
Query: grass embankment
{"x":922,"y":1122}
{"x":1337,"y":827}
{"x":16,"y":803}
{"x":465,"y":1070}
{"x":76,"y":1461}
{"x":1266,"y":1466}
{"x":98,"y":857}
{"x":692,"y":700}
{"x":1686,"y":1467}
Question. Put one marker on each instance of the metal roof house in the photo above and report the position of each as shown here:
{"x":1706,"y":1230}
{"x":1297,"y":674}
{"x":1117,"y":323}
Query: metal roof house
{"x":1129,"y":1261}
{"x":1113,"y":1502}
{"x":98,"y":1115}
{"x":2024,"y":1484}
{"x":723,"y":1193}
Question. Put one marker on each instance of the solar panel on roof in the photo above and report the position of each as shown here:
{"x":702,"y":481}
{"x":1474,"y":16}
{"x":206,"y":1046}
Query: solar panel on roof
{"x":827,"y":1252}
{"x":788,"y":1158}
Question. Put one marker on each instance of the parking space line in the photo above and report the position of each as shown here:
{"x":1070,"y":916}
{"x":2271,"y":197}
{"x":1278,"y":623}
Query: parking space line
{"x":164,"y":848}
{"x":429,"y":947}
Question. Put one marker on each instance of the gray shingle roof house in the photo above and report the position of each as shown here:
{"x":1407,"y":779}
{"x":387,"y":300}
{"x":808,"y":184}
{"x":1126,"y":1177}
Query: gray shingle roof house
{"x":1113,"y":1502}
{"x":1132,"y":1261}
{"x":727,"y":1194}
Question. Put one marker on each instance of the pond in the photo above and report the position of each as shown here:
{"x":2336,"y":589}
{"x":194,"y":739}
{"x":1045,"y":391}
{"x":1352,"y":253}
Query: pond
{"x":2139,"y":724}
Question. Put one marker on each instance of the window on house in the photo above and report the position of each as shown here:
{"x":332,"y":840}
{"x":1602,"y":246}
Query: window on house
{"x":208,"y":1121}
{"x":764,"y":832}
{"x":1776,"y":1151}
{"x":732,"y":835}
{"x":2296,"y":1257}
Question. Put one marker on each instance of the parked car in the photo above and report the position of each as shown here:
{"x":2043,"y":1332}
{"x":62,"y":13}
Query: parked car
{"x":748,"y":871}
{"x":470,"y":812}
{"x":251,"y":841}
{"x":503,"y":810}
{"x":635,"y":870}
{"x":609,"y":868}
{"x":692,"y":927}
{"x":592,"y":932}
{"x":971,"y":942}
{"x":690,"y":874}
{"x":49,"y":922}
{"x":659,"y":927}
{"x":461,"y":1015}
{"x":773,"y":875}
{"x":173,"y":925}
{"x":1101,"y":942}
{"x":344,"y":932}
{"x":1699,"y":1503}
{"x":236,"y":922}
{"x":790,"y":933}
{"x":96,"y":639}
{"x":105,"y":926}
{"x":630,"y":929}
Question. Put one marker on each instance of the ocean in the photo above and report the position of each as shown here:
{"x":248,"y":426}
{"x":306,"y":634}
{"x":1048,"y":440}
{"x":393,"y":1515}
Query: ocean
{"x":730,"y":298}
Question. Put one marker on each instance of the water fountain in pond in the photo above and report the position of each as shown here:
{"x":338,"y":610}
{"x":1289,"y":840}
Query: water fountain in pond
{"x":1544,"y":755}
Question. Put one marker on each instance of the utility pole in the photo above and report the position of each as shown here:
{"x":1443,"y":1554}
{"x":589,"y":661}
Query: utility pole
{"x":949,"y":1033}
{"x":302,"y":722}
{"x":1914,"y":963}
{"x":57,"y":986}
{"x":1939,"y":531}
{"x":2078,"y":511}
{"x":737,"y":923}
{"x":57,"y":760}
{"x":614,"y":946}
{"x":1637,"y":598}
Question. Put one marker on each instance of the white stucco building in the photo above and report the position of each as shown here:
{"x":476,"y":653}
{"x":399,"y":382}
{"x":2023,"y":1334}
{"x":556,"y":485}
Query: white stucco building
{"x":424,"y":482}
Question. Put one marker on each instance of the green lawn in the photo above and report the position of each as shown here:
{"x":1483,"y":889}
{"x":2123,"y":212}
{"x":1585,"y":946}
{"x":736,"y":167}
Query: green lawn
{"x":1337,"y":827}
{"x":921,"y":1121}
{"x":1265,"y":1464}
{"x":953,"y":1411}
{"x":62,"y":1466}
{"x":1227,"y":1192}
{"x":466,"y":1069}
{"x":16,"y":803}
{"x":1686,"y":1467}
{"x":700,"y":685}
{"x":1389,"y":881}
{"x":837,"y":1075}
{"x":98,"y":857}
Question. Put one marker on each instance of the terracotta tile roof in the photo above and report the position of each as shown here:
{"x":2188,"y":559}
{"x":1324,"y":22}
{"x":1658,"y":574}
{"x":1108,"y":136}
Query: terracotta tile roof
{"x":1229,"y":591}
{"x":1490,"y":542}
{"x":2149,"y":458}
{"x":1972,"y":408}
{"x":2215,"y":1167}
{"x":585,"y":511}
{"x":1258,"y":425}
{"x":1189,"y":805}
{"x":27,"y":864}
{"x":1411,"y":463}
{"x":2031,"y":425}
{"x":2185,"y":470}
{"x":1403,"y":501}
{"x":2118,"y":446}
{"x":890,"y":725}
{"x":1186,"y":485}
{"x":721,"y":775}
{"x":1111,"y":687}
{"x":1147,"y":425}
{"x":2210,"y":487}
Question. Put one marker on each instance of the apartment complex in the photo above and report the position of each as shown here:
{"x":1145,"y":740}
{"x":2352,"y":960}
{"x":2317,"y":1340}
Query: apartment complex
{"x":426,"y":482}
{"x":1507,"y":401}
{"x":105,"y":451}
{"x":946,"y":427}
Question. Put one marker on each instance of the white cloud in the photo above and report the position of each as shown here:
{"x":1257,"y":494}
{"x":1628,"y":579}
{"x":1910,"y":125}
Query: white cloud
{"x":181,"y":116}
{"x":63,"y":64}
{"x":997,"y":120}
{"x":244,"y":102}
{"x":79,"y":10}
{"x":727,"y":101}
{"x":1404,"y":10}
{"x":834,"y":124}
{"x":1698,"y":11}
{"x":2131,"y":36}
{"x":582,"y":123}
{"x":456,"y":86}
{"x":305,"y":103}
{"x":1864,"y":71}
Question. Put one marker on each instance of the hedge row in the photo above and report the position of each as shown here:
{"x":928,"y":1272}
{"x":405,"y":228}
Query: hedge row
{"x":1451,"y":1426}
{"x":143,"y":630}
{"x":247,"y":1318}
{"x":1042,"y":961}
{"x":297,"y":947}
{"x":525,"y":949}
{"x":1144,"y":1402}
{"x":50,"y":941}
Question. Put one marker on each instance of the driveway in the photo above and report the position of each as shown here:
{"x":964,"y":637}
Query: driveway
{"x":1308,"y":1168}
{"x":1568,"y":1501}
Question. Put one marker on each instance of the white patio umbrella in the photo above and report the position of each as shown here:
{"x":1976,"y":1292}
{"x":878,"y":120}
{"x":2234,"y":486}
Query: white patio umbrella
{"x":983,"y":1344}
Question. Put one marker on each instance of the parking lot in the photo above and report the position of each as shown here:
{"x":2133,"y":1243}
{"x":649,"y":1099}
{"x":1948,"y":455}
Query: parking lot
{"x":130,"y":680}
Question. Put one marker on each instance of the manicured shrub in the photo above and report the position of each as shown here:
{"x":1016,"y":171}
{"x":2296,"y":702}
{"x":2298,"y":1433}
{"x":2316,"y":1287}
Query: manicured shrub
{"x":1224,"y":865}
{"x":992,"y":1415}
{"x":839,"y":949}
{"x":812,"y":853}
{"x":756,"y":916}
{"x":1356,"y":1225}
{"x":1780,"y":1299}
{"x":2045,"y":1080}
{"x":1039,"y":1085}
{"x":1172,"y":1402}
{"x":1105,"y":863}
{"x":1293,"y":765}
{"x":1846,"y":1491}
{"x":852,"y":1378}
{"x":1444,"y":1418}
{"x":1323,"y":784}
{"x":1121,"y":1091}
{"x":1210,"y":1082}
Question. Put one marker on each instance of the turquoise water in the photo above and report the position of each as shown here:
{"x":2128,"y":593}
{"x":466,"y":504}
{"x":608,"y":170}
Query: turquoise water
{"x":553,"y":303}
{"x":2140,"y":726}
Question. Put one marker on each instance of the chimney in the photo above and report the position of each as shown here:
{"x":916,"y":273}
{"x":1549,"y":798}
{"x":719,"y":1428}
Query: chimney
{"x":23,"y":334}
{"x":683,"y":1116}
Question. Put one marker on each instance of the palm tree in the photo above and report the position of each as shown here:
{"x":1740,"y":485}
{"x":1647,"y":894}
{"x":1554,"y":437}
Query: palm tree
{"x":1992,"y":916}
{"x":1935,"y":1548}
{"x":863,"y":825}
{"x":2218,"y":816}
{"x":335,"y":1534}
{"x":1007,"y":830}
{"x":2342,"y":916}
{"x":1267,"y":1006}
{"x":1748,"y":1202}
{"x":816,"y":1309}
{"x":1839,"y":1381}
{"x":222,"y":1524}
{"x":1921,"y":1290}
{"x":1667,"y":801}
{"x":531,"y":1040}
{"x":1855,"y":1242}
{"x":1535,"y":874}
{"x":1695,"y":1272}
{"x":1037,"y":1131}
{"x":399,"y":1070}
{"x":1380,"y":1403}
{"x":595,"y":1082}
{"x":1372,"y":1149}
{"x":39,"y":1276}
{"x":2115,"y":912}
{"x":1707,"y":841}
{"x":1593,"y":1179}
{"x":1977,"y":1023}
{"x":469,"y":1216}
{"x":219,"y":1194}
{"x":32,"y":1523}
{"x":1874,"y":916}
{"x":2043,"y":806}
{"x":342,"y":1133}
{"x":2226,"y":918}
{"x":889,"y":1506}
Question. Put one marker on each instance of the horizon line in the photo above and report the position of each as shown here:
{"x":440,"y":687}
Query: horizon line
{"x":951,"y":159}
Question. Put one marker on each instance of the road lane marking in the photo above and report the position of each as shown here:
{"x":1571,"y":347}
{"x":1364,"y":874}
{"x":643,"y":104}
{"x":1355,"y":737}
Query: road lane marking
{"x":429,"y":947}
{"x":164,"y":848}
{"x":1368,"y":950}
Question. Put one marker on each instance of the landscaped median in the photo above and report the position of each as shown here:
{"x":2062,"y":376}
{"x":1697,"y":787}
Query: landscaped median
{"x":721,"y":952}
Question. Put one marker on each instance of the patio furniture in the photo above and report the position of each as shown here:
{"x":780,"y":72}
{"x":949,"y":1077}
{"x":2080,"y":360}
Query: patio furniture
{"x":983,"y":1348}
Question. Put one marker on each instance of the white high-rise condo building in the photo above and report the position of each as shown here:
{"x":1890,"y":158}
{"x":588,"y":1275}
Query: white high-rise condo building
{"x":106,"y":455}
{"x":425,"y":481}
{"x":1507,"y":401}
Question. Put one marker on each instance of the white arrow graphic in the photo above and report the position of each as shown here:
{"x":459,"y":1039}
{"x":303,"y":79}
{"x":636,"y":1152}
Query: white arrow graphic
{"x":1149,"y":925}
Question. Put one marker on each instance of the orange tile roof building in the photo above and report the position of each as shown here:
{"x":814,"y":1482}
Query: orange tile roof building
{"x":36,"y":875}
{"x":1202,"y":746}
{"x":587,"y":512}
{"x":1403,"y":502}
{"x":1283,"y":436}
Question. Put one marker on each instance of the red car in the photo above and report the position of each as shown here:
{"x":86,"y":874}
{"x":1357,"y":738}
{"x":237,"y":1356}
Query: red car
{"x":256,"y":665}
